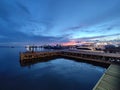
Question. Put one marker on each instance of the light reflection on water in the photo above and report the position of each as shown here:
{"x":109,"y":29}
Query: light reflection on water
{"x":57,"y":74}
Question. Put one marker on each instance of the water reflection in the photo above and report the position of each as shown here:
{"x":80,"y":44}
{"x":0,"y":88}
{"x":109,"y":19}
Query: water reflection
{"x":67,"y":73}
{"x":46,"y":59}
{"x":55,"y":74}
{"x":31,"y":62}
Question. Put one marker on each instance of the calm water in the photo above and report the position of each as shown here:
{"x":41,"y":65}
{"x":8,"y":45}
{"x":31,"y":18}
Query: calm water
{"x":57,"y":74}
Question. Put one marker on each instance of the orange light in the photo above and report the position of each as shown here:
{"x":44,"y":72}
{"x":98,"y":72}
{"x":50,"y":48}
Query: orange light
{"x":69,"y":43}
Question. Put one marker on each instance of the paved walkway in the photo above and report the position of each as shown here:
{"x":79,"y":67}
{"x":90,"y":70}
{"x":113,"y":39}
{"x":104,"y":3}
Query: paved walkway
{"x":110,"y":79}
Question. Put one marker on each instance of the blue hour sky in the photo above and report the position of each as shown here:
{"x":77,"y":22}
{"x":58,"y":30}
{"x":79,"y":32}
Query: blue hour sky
{"x":49,"y":21}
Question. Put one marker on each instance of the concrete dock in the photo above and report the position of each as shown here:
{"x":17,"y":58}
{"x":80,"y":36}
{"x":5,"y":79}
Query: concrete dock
{"x":103,"y":58}
{"x":110,"y":79}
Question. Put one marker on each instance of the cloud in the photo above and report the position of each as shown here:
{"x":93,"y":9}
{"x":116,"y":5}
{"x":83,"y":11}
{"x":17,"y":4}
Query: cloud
{"x":96,"y":37}
{"x":23,"y":7}
{"x":77,"y":27}
{"x":1,"y":36}
{"x":18,"y":36}
{"x":36,"y":28}
{"x":57,"y":21}
{"x":4,"y":11}
{"x":48,"y":24}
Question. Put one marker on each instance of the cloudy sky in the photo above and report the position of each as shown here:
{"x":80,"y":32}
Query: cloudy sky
{"x":58,"y":21}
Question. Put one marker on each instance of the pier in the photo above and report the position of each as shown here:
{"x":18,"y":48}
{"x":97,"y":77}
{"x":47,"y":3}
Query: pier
{"x":110,"y":79}
{"x":90,"y":56}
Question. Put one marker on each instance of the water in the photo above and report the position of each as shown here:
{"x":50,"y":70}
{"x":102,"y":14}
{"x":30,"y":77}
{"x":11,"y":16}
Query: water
{"x":57,"y":74}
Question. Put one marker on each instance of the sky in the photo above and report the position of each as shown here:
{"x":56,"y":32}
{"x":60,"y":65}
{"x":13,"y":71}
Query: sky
{"x":58,"y":21}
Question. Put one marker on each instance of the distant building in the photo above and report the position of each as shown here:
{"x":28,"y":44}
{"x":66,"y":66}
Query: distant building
{"x":112,"y":49}
{"x":100,"y":45}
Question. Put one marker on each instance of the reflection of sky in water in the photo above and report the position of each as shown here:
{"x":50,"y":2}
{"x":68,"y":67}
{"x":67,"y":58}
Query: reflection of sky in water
{"x":68,"y":69}
{"x":57,"y":74}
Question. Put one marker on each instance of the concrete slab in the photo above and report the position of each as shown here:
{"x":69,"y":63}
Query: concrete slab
{"x":110,"y":79}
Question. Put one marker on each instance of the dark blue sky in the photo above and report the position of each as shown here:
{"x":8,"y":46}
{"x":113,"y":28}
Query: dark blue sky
{"x":49,"y":21}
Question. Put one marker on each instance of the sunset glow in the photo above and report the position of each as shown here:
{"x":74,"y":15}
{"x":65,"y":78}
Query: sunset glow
{"x":69,"y":43}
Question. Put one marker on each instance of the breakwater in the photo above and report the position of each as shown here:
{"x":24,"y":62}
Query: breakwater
{"x":93,"y":57}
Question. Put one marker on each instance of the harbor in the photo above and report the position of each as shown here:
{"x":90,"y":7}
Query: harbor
{"x":59,"y":44}
{"x":47,"y":73}
{"x":109,"y":80}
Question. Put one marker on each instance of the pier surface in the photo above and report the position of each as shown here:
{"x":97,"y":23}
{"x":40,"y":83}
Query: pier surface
{"x":110,"y":79}
{"x":90,"y":56}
